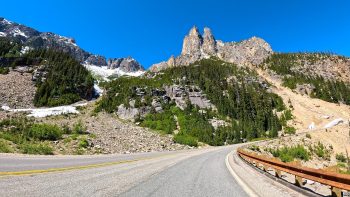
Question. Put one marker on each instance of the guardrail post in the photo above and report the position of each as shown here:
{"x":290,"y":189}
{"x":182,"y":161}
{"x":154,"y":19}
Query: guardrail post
{"x":336,"y":192}
{"x":278,"y":173}
{"x":298,"y":181}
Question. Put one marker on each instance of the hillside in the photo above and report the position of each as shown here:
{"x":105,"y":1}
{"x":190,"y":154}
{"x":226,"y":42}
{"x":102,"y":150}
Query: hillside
{"x":210,"y":101}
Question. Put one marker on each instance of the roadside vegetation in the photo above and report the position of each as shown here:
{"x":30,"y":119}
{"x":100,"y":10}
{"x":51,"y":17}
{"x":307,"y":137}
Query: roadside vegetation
{"x":23,"y":135}
{"x":288,"y":154}
{"x":302,"y":152}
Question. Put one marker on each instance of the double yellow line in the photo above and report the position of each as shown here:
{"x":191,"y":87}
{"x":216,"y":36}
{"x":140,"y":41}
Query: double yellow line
{"x":32,"y":172}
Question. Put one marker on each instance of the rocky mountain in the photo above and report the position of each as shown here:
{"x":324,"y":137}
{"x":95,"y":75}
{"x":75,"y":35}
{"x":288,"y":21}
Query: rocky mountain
{"x":128,"y":64}
{"x":33,"y":39}
{"x":196,"y":47}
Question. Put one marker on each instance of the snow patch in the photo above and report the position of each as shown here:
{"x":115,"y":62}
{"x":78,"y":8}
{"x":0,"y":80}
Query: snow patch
{"x":105,"y":72}
{"x":7,"y":22}
{"x":98,"y":90}
{"x":133,"y":74}
{"x":334,"y":123}
{"x":18,"y":32}
{"x":44,"y":112}
{"x":25,"y":49}
{"x":3,"y":34}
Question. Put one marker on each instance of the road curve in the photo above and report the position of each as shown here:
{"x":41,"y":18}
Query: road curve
{"x":184,"y":173}
{"x":201,"y":172}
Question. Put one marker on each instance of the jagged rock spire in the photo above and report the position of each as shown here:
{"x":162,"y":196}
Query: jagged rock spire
{"x":195,"y":47}
{"x":209,"y":42}
{"x":194,"y":32}
{"x":192,"y":42}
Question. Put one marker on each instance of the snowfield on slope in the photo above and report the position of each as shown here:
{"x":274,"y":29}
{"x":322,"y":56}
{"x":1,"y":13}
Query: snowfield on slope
{"x":105,"y":72}
{"x":44,"y":112}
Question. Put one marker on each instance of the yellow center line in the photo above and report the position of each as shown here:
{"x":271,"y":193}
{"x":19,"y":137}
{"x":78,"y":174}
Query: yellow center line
{"x":31,"y":172}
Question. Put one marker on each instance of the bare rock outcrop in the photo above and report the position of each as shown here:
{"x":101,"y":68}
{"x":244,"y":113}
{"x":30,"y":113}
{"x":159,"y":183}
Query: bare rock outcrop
{"x":128,"y":64}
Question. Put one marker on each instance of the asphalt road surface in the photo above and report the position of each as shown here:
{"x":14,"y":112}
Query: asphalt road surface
{"x":184,"y":173}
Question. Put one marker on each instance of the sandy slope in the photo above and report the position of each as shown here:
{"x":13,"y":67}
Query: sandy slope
{"x":306,"y":109}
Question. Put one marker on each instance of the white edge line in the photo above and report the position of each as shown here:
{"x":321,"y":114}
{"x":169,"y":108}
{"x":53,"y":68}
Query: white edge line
{"x":244,"y":186}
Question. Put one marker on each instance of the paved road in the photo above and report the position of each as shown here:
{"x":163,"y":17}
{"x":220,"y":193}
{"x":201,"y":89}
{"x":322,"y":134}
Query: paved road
{"x":185,"y":173}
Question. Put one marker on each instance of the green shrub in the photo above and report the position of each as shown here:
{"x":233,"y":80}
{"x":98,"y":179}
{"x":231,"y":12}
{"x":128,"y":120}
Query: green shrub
{"x":254,"y":148}
{"x":289,"y":130}
{"x":341,"y":157}
{"x":37,"y":149}
{"x":66,"y":129}
{"x":45,"y":132}
{"x":79,"y":128}
{"x":160,"y":121}
{"x":4,"y":147}
{"x":321,"y":151}
{"x":83,"y":143}
{"x":4,"y":71}
{"x":288,"y":154}
{"x":342,"y":165}
{"x":186,"y":139}
{"x":308,"y":135}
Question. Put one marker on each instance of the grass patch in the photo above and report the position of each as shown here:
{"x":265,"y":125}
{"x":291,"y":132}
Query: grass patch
{"x":45,"y":132}
{"x":259,"y":139}
{"x":5,"y":147}
{"x":34,"y":138}
{"x":36,"y":148}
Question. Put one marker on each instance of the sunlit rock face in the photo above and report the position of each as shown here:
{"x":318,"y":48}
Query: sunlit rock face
{"x":196,"y":47}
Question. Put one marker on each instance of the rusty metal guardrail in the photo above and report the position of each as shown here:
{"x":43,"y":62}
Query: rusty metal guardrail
{"x":338,"y":182}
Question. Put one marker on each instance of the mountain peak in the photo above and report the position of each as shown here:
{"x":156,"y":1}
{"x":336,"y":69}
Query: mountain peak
{"x":192,"y":42}
{"x":194,"y":32}
{"x":209,"y":43}
{"x":195,"y":47}
{"x":207,"y":32}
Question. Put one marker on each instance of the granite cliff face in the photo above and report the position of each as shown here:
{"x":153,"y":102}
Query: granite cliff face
{"x":195,"y":47}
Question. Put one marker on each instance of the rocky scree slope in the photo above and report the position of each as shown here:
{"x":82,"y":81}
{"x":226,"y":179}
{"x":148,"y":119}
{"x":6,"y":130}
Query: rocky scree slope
{"x":196,"y":47}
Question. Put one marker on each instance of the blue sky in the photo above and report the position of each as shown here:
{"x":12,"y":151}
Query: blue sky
{"x":152,"y":30}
